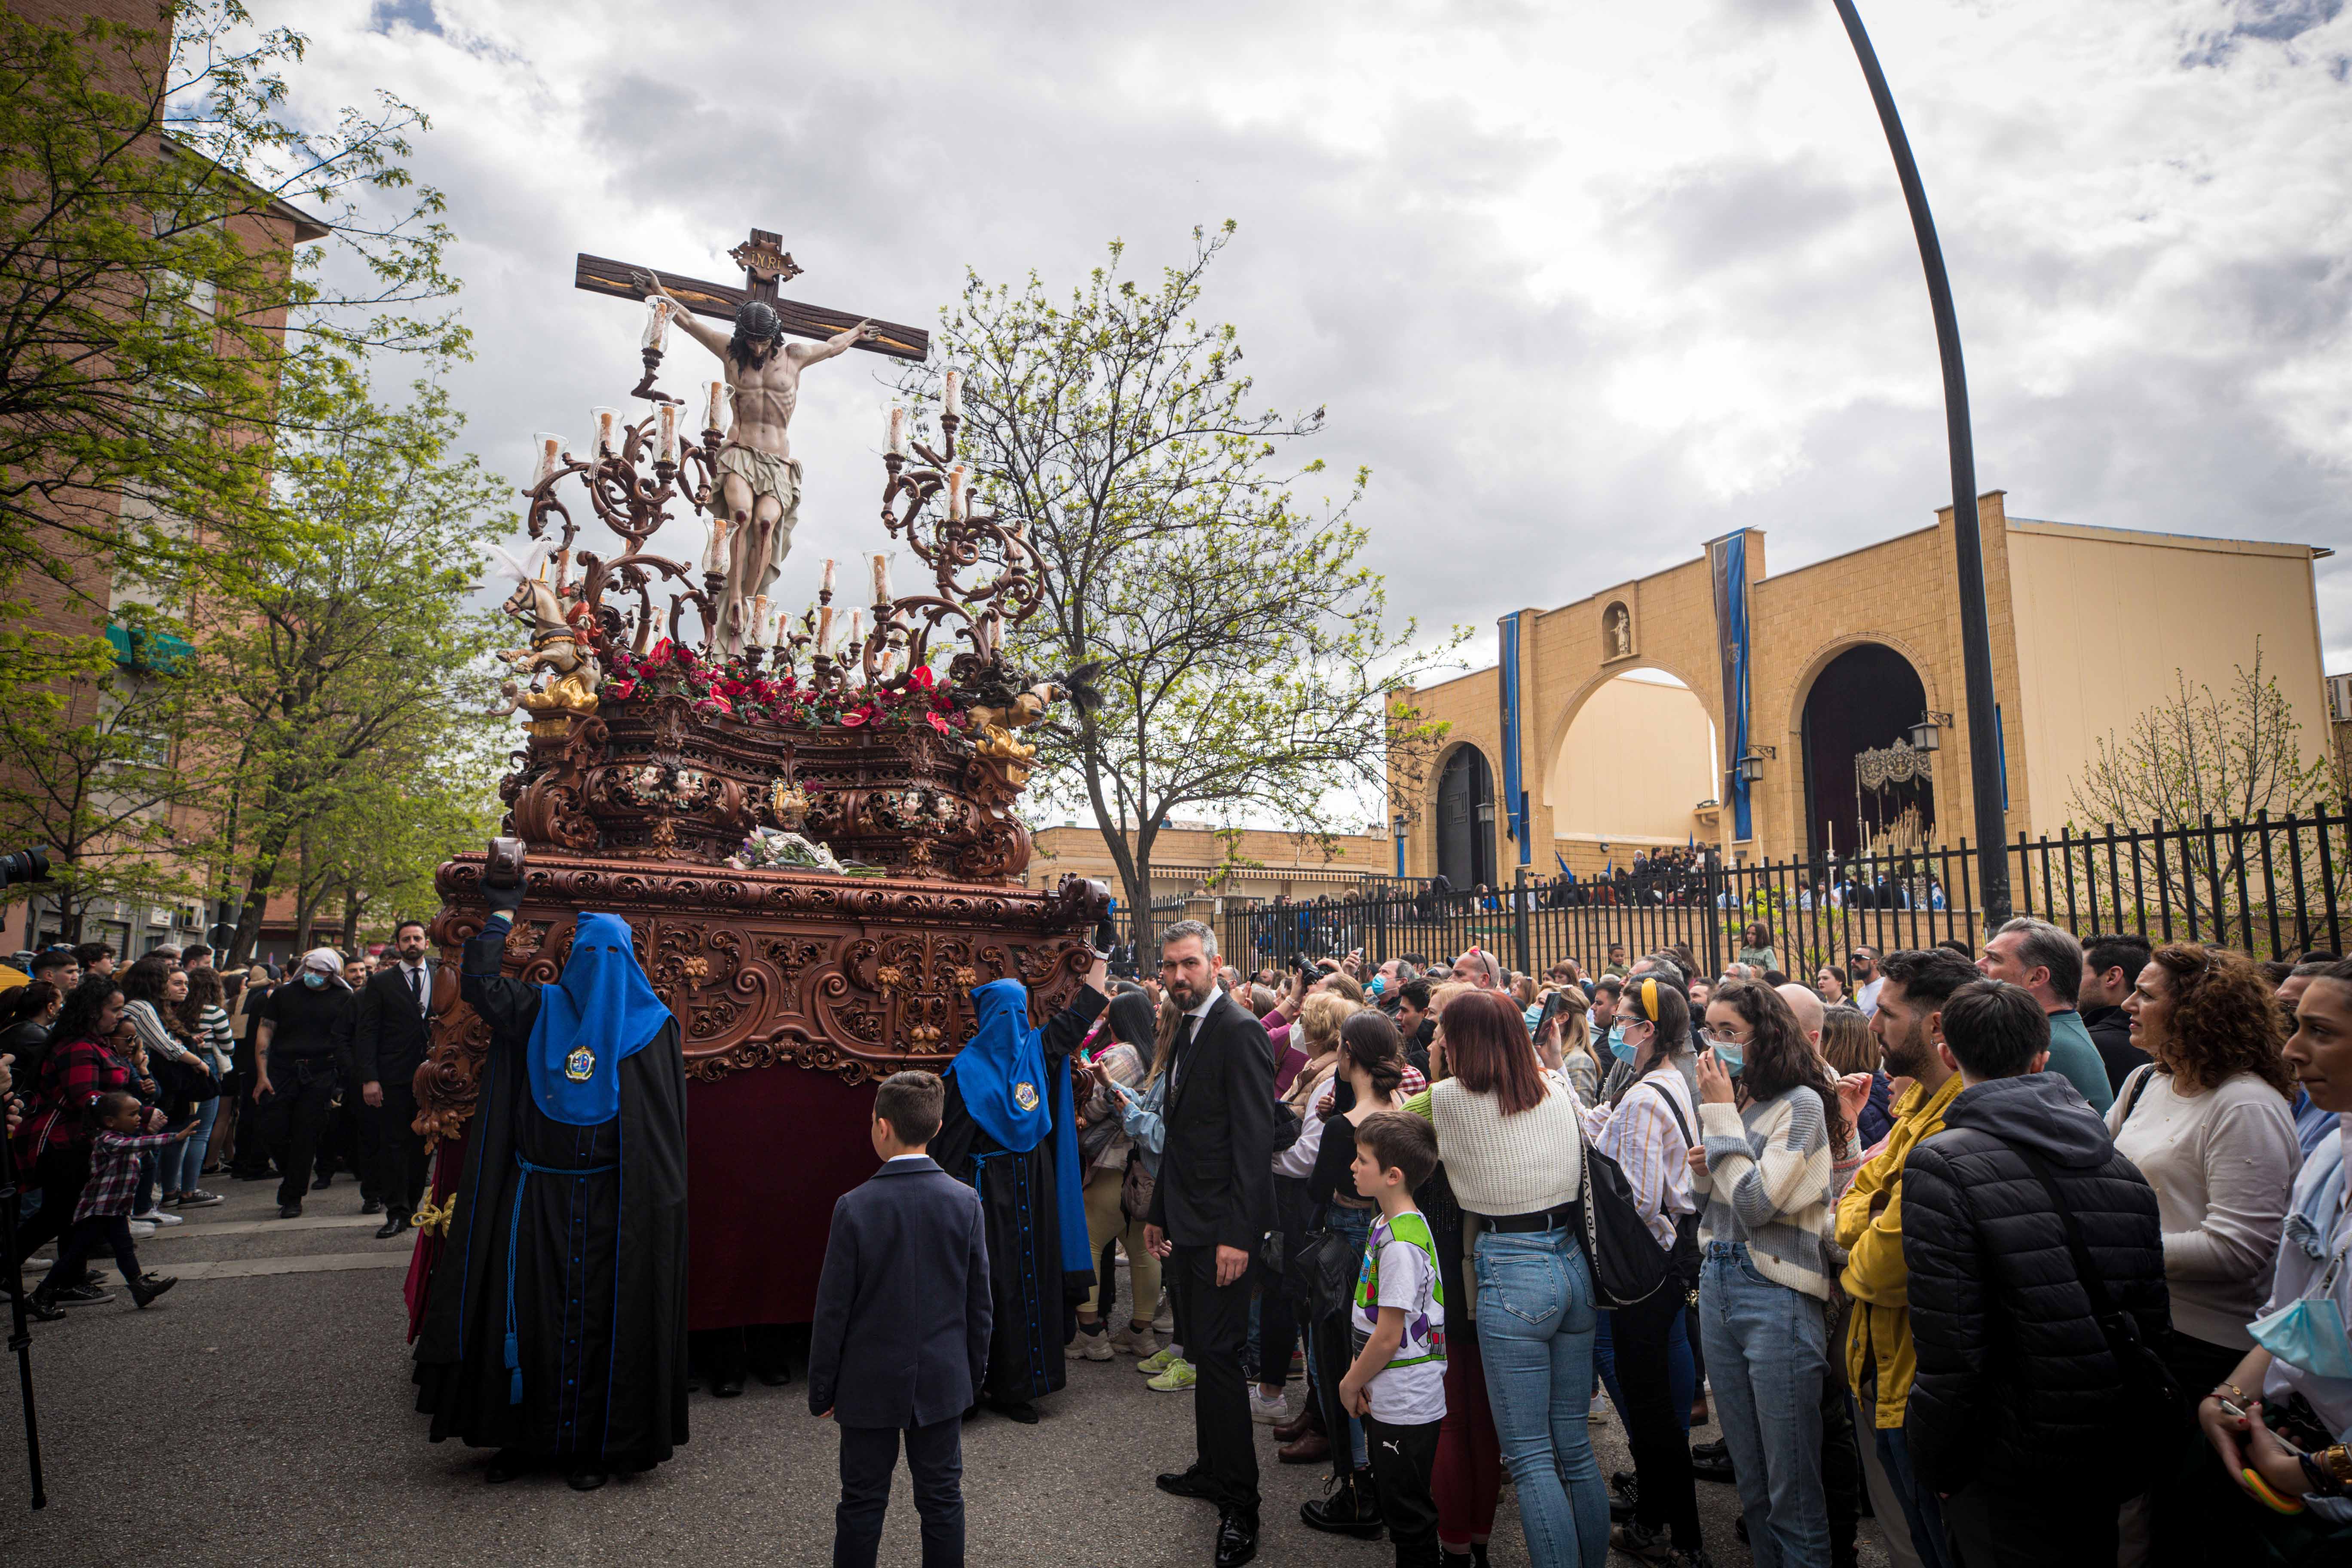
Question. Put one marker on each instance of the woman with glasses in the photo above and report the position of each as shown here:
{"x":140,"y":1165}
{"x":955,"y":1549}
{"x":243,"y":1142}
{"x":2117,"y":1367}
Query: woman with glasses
{"x":1771,"y":1128}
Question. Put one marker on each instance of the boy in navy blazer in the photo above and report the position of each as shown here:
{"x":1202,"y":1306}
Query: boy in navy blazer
{"x":900,"y":1340}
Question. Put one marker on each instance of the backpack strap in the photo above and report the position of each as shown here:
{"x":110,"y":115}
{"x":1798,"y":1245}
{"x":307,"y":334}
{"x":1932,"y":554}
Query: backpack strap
{"x":2101,"y":1306}
{"x":2134,"y":1086}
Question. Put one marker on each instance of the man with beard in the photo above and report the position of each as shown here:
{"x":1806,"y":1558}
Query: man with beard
{"x":390,"y":1036}
{"x":1880,"y":1360}
{"x":555,"y":1326}
{"x":1210,"y":1208}
{"x":757,"y":499}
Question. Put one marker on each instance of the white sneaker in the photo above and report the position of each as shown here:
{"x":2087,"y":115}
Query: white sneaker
{"x":140,"y":1229}
{"x":1164,"y":1316}
{"x":1128,"y":1339}
{"x":1091,"y":1347}
{"x":1268,"y":1412}
{"x":159,"y":1216}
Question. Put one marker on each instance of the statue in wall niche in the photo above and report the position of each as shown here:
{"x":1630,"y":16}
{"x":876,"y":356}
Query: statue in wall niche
{"x":1617,"y":631}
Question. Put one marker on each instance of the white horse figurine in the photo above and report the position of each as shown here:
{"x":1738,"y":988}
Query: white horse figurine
{"x":557,"y":645}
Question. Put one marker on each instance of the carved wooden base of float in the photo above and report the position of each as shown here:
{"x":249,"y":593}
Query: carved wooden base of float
{"x":853,"y":976}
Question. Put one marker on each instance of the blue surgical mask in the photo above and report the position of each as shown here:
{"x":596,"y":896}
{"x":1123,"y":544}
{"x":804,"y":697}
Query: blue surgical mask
{"x":2308,"y":1334}
{"x":1617,"y":1045}
{"x":1730,"y":1055}
{"x":1534,"y":1017}
{"x":1378,"y":987}
{"x":313,"y":979}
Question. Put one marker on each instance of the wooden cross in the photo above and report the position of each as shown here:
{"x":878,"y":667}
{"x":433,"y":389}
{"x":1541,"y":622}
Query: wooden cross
{"x":765,"y":265}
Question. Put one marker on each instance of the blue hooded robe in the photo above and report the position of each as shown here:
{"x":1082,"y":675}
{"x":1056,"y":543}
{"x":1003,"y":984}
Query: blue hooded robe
{"x":1010,"y":1132}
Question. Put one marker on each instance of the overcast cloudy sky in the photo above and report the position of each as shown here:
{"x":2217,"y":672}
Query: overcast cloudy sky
{"x":1584,"y":284}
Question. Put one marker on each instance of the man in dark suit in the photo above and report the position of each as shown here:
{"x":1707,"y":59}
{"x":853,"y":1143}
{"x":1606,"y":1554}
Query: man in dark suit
{"x":1210,"y":1208}
{"x":901,"y":1340}
{"x":391,"y":1031}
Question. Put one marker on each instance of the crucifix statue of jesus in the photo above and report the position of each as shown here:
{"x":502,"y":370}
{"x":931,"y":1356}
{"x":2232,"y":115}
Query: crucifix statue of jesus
{"x":756,"y":496}
{"x":758,"y":488}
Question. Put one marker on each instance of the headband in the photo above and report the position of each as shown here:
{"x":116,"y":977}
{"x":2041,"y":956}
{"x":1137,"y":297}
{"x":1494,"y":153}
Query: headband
{"x":1649,"y":999}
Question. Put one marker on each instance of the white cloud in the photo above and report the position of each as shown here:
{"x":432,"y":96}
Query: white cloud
{"x":1583,"y":285}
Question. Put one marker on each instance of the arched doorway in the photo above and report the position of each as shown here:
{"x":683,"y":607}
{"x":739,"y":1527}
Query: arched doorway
{"x":1865,"y":789}
{"x":1465,"y":820}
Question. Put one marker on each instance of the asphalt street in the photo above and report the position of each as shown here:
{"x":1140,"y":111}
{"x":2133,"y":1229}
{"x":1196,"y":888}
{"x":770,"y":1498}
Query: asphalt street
{"x":260,"y":1415}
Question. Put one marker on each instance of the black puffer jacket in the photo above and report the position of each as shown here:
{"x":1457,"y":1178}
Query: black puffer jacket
{"x":2016,"y":1385}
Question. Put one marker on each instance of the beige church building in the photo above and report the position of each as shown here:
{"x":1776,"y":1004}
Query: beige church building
{"x":1604,"y":728}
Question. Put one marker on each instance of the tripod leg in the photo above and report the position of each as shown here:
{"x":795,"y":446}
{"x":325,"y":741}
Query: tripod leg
{"x":20,"y":1339}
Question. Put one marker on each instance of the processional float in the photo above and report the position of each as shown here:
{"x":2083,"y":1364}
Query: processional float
{"x":809,"y":826}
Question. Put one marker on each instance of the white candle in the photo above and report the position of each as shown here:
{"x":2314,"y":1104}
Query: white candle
{"x":955,"y":493}
{"x":881,"y":579}
{"x":604,"y":423}
{"x":824,"y":629}
{"x":759,"y":619}
{"x":854,"y":618}
{"x":715,"y":406}
{"x":951,"y":395}
{"x":897,"y":432}
{"x":714,"y":560}
{"x":550,"y":457}
{"x":665,"y":432}
{"x":656,"y":323}
{"x":825,"y":583}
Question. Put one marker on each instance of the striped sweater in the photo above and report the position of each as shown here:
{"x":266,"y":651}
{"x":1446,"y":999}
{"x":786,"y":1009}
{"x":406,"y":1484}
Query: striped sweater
{"x":1769,"y":1183}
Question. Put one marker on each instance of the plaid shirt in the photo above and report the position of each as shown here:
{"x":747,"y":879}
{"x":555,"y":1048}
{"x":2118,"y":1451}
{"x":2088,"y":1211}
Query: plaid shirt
{"x":72,"y":1078}
{"x":114,"y":1172}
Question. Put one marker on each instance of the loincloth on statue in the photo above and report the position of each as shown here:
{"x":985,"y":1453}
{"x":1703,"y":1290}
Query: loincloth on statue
{"x":764,"y":473}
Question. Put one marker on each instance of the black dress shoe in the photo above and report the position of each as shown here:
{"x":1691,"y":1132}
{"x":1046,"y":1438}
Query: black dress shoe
{"x":1195,"y":1482}
{"x":290,"y":1211}
{"x":323,"y":1182}
{"x":393,"y":1225}
{"x":584,"y":1479}
{"x":1236,"y":1537}
{"x":506,"y":1465}
{"x":727,"y":1385}
{"x":371,"y":1206}
{"x":1019,"y":1412}
{"x":774,"y":1376}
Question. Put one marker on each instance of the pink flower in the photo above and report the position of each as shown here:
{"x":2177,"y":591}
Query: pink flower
{"x":623,"y":690}
{"x":937,"y":722}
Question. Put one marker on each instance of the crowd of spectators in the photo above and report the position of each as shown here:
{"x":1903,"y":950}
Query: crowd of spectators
{"x":2032,"y":1252}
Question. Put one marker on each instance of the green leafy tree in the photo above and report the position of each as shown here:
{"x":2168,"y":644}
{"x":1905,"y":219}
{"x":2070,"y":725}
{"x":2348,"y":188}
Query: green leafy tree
{"x":145,"y":315}
{"x":1244,"y":656}
{"x":354,"y":667}
{"x":370,"y":858}
{"x":88,"y":767}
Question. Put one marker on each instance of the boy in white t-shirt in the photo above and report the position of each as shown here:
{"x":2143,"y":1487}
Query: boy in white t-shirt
{"x":1397,"y":1383}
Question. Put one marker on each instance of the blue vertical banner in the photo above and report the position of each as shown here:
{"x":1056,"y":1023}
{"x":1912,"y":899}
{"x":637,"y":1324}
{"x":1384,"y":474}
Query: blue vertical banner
{"x":1514,"y":798}
{"x":1727,"y":559}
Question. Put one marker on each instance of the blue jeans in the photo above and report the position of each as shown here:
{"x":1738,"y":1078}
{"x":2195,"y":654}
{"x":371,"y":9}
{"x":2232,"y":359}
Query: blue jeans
{"x":181,"y":1163}
{"x":1767,"y":1353}
{"x":1536,"y":1326}
{"x":1921,"y":1511}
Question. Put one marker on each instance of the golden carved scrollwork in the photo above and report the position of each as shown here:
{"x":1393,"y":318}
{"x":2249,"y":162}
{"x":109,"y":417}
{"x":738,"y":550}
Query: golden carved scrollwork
{"x":856,"y":977}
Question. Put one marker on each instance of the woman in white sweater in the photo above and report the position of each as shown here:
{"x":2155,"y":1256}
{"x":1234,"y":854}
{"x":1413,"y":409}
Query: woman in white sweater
{"x":2210,"y":1123}
{"x":1513,"y":1152}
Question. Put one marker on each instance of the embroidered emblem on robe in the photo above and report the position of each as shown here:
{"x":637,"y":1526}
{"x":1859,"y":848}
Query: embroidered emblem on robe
{"x":581,"y":1064}
{"x":1025,"y":1095}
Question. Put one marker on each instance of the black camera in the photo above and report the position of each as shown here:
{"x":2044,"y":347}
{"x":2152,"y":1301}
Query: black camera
{"x":25,"y":866}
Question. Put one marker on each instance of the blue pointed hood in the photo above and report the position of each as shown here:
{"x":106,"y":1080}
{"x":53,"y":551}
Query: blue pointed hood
{"x":602,"y":1011}
{"x":1000,"y":1070}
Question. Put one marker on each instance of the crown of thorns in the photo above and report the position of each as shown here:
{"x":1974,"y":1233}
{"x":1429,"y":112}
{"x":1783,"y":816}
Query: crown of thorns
{"x":758,"y":319}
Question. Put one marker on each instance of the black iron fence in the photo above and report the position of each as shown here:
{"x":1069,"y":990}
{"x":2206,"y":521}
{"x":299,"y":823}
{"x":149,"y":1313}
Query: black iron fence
{"x":2276,"y":888}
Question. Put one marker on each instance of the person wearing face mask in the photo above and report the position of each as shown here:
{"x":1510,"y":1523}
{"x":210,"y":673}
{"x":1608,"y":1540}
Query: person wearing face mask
{"x":304,"y":1042}
{"x":2280,"y":1421}
{"x":1650,"y":1132}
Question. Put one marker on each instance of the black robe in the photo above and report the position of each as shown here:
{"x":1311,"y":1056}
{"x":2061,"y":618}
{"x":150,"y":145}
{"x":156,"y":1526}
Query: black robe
{"x":599,"y":1287}
{"x":1035,"y":1291}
